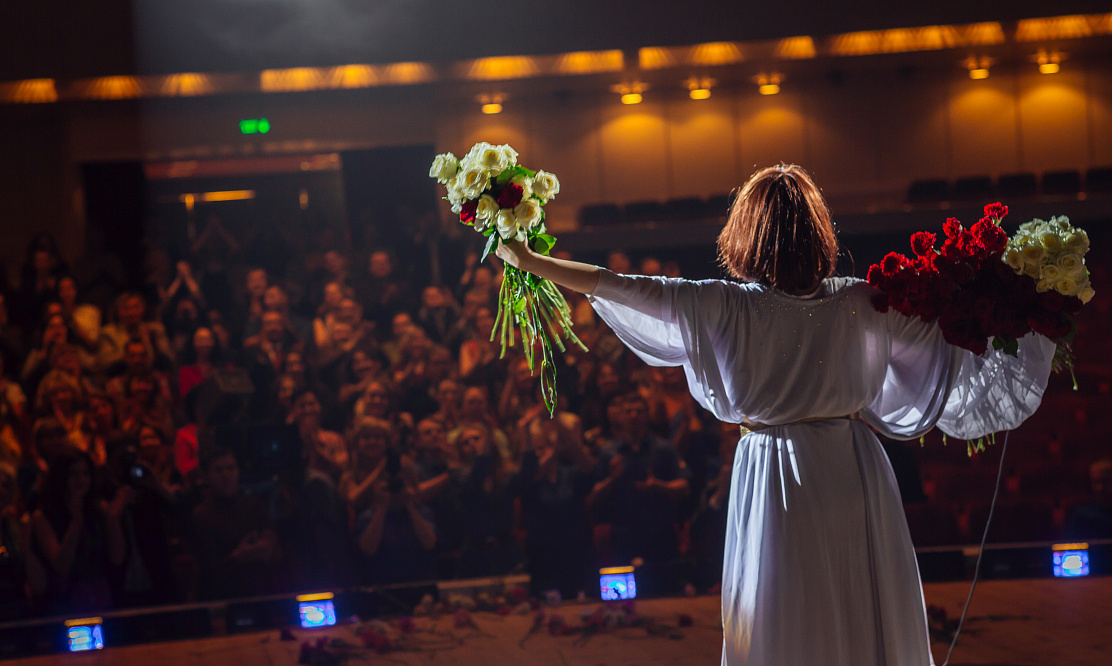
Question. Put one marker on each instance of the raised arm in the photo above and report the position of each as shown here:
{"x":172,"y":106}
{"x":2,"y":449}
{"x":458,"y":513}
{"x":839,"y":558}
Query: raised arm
{"x":573,"y":275}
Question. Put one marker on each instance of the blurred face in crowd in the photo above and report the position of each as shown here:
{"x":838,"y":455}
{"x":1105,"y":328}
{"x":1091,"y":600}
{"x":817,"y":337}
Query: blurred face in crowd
{"x":42,"y":261}
{"x":619,"y":262}
{"x":472,"y":301}
{"x":379,"y":265}
{"x":55,"y":330}
{"x":102,"y":413}
{"x":271,"y":328}
{"x":55,"y":309}
{"x":203,"y":342}
{"x":440,"y":363}
{"x":63,"y":399}
{"x":376,"y":401}
{"x":275,"y":299}
{"x":334,"y":262}
{"x":523,"y":376}
{"x":401,"y":324}
{"x":342,"y":333}
{"x":223,"y":476}
{"x":186,"y":312}
{"x":256,"y":283}
{"x":364,"y":365}
{"x":286,"y":387}
{"x":615,"y":414}
{"x":150,"y":446}
{"x":474,"y":403}
{"x":447,"y":394}
{"x":484,"y":321}
{"x":472,"y":442}
{"x":370,"y":445}
{"x":69,"y":362}
{"x":333,"y":294}
{"x":131,"y":311}
{"x":67,"y":291}
{"x":80,"y":479}
{"x":135,"y":356}
{"x":607,"y":380}
{"x":433,"y":298}
{"x":482,"y":279}
{"x":307,"y":409}
{"x":636,"y":418}
{"x":651,"y":266}
{"x":348,"y":311}
{"x":142,"y":389}
{"x":673,"y":377}
{"x":430,"y":436}
{"x":295,"y":364}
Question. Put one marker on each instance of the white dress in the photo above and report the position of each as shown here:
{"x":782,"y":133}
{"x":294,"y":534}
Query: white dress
{"x":819,"y":566}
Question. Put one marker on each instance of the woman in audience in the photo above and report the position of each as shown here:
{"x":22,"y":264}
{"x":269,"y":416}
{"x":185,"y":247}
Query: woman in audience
{"x":201,"y":357}
{"x":77,"y":536}
{"x":378,"y":401}
{"x":487,"y":491}
{"x":396,"y":535}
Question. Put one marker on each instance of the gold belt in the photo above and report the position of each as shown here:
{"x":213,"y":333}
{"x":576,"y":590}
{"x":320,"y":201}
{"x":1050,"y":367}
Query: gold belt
{"x":747,"y":426}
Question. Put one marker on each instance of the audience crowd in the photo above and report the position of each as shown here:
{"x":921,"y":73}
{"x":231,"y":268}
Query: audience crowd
{"x":239,"y":425}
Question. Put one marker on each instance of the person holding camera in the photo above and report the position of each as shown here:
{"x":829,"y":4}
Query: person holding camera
{"x":397,"y":534}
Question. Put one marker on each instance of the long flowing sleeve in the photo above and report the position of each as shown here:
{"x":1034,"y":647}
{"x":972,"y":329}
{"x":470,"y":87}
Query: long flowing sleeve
{"x":670,"y":322}
{"x":929,"y":382}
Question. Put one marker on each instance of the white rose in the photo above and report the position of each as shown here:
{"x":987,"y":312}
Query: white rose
{"x":1050,"y":272}
{"x":510,"y":153}
{"x":1078,"y":241}
{"x":506,"y":224}
{"x":1086,"y":294}
{"x":1014,"y":258}
{"x":481,"y":225}
{"x":1043,"y":285}
{"x":455,"y":196}
{"x":1071,"y":264}
{"x":1050,"y":240}
{"x":1067,"y":286}
{"x":546,"y":185}
{"x":1033,"y":254}
{"x":444,"y":168}
{"x":476,"y":150}
{"x":1062,"y":222}
{"x":528,"y":213}
{"x":1033,"y":270}
{"x":472,"y":181}
{"x":487,"y":208}
{"x":493,"y":160}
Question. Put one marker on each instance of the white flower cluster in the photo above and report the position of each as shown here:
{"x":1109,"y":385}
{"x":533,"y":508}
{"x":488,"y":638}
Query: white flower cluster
{"x":1053,"y":253}
{"x":470,"y":180}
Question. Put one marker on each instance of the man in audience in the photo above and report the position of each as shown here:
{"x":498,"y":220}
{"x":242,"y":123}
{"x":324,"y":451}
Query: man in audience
{"x":639,"y":480}
{"x":234,"y":540}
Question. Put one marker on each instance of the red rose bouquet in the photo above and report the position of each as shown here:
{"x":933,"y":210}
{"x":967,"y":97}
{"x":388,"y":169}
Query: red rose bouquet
{"x":976,"y":293}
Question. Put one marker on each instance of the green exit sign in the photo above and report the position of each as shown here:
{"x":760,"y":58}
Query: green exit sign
{"x":254,"y":126}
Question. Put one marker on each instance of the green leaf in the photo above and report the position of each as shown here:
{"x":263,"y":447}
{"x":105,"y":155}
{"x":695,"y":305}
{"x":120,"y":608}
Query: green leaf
{"x":492,"y":243}
{"x":519,"y":305}
{"x":542,"y":243}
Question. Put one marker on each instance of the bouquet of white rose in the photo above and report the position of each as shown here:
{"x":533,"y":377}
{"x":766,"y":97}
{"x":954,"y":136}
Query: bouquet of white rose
{"x":1052,"y":252}
{"x":503,"y":200}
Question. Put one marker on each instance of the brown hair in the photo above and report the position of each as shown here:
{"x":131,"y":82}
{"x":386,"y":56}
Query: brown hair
{"x":779,"y":231}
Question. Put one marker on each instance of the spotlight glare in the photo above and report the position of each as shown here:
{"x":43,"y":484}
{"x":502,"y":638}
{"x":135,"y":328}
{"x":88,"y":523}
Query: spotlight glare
{"x":769,"y":89}
{"x":700,"y":93}
{"x":492,"y":107}
{"x":631,"y":98}
{"x":978,"y":73}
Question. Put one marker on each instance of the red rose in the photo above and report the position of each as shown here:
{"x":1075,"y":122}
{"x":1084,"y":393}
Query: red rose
{"x":1072,"y":305}
{"x":880,"y":302}
{"x":922,"y":243}
{"x":991,"y":237}
{"x":1053,"y":325}
{"x":467,"y":213}
{"x":1052,"y":301}
{"x":510,"y":196}
{"x":952,"y":227}
{"x":996,"y":211}
{"x":876,"y":275}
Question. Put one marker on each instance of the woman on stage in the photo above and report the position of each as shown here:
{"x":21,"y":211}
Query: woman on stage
{"x":819,"y":566}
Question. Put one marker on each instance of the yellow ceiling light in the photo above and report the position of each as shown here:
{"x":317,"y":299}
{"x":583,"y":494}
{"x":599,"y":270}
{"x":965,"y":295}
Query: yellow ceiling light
{"x":291,"y":80}
{"x":352,"y":76}
{"x":113,"y":87}
{"x":795,"y":48}
{"x":1049,"y":63}
{"x":590,"y":62}
{"x":491,"y":104}
{"x":503,"y":67}
{"x":656,"y":57}
{"x":977,"y":67}
{"x":1058,"y":27}
{"x":768,"y":84}
{"x":187,"y":84}
{"x":31,"y":91}
{"x":981,"y":34}
{"x":716,"y":53}
{"x":699,"y":88}
{"x":406,"y":73}
{"x":630,"y":92}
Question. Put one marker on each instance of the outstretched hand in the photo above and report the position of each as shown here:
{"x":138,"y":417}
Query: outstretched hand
{"x":514,"y":253}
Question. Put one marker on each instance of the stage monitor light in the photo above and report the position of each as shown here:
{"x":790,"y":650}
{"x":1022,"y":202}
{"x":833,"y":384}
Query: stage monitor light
{"x":616,"y":583}
{"x":85,"y":634}
{"x":316,"y":610}
{"x":1071,"y":560}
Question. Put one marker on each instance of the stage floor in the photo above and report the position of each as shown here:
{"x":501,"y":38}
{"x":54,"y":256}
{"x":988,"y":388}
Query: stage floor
{"x":1011,"y":623}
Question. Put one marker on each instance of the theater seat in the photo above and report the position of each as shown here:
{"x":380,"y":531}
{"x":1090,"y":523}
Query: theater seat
{"x":1016,"y":185}
{"x":600,"y":215}
{"x":1061,"y":182}
{"x":973,"y":188}
{"x":928,"y":191}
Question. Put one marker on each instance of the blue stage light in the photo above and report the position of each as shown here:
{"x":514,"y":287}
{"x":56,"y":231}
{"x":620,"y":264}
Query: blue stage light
{"x":617,"y":583}
{"x":1071,"y":560}
{"x":316,"y":610}
{"x":85,"y":634}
